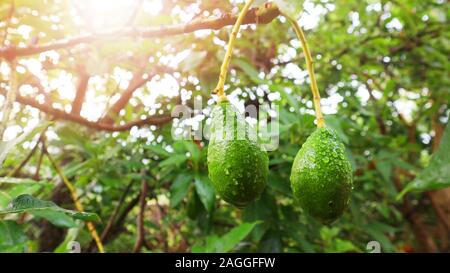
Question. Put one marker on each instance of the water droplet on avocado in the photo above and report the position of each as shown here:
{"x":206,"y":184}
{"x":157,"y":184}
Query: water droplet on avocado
{"x":238,"y":168}
{"x":320,"y":169}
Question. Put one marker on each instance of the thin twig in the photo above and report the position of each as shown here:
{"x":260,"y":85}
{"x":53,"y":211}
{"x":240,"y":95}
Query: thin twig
{"x":140,"y":218}
{"x":39,"y":164}
{"x":16,"y":170}
{"x":136,"y":82}
{"x":113,"y":216}
{"x":116,"y":228}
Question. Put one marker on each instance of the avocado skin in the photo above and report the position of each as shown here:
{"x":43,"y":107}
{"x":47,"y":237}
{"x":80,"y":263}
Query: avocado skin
{"x":321,"y":176}
{"x":237,"y":167}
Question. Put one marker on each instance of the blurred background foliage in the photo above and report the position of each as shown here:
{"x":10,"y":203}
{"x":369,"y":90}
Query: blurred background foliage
{"x":383,"y":72}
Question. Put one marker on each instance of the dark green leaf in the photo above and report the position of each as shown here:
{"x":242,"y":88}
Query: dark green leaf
{"x":205,"y":192}
{"x":437,"y":174}
{"x":11,"y":234}
{"x":176,"y":160}
{"x":227,"y":242}
{"x":179,"y":188}
{"x":27,"y":203}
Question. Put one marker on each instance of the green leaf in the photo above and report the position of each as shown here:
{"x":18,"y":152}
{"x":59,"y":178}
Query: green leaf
{"x":27,"y":203}
{"x":25,"y":189}
{"x":193,"y":150}
{"x":227,"y":242}
{"x":158,"y":150}
{"x":205,"y":192}
{"x":17,"y":186}
{"x":77,"y":140}
{"x":378,"y":231}
{"x":4,"y":199}
{"x":194,"y":205}
{"x":179,"y":188}
{"x":70,"y":237}
{"x":280,"y":184}
{"x":291,"y":100}
{"x":336,"y":123}
{"x":248,"y":69}
{"x":173,"y":160}
{"x":57,"y":218}
{"x":83,"y":167}
{"x":385,"y":168}
{"x":340,"y":246}
{"x":290,"y":8}
{"x":437,"y":174}
{"x":11,"y":234}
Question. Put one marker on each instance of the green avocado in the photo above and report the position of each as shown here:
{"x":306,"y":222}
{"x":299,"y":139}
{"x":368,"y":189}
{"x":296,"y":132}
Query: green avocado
{"x":237,"y":166}
{"x":321,"y":176}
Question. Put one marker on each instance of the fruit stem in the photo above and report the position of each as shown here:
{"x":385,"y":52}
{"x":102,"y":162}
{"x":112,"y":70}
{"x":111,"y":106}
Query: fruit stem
{"x":219,"y":90}
{"x":309,"y":65}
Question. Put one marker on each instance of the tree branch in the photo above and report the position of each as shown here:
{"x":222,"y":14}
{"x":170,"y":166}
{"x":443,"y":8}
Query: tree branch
{"x":261,"y":15}
{"x":113,"y":216}
{"x":140,"y":218}
{"x":36,"y":175}
{"x":83,"y":81}
{"x":136,"y":82}
{"x":117,"y":227}
{"x":378,"y":116}
{"x":60,"y":114}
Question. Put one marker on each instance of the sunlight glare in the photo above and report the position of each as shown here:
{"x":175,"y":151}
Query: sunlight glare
{"x":100,"y":14}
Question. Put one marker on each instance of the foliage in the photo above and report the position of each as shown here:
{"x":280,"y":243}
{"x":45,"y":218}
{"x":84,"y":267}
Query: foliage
{"x":227,"y":242}
{"x":46,"y":209}
{"x":437,"y":173}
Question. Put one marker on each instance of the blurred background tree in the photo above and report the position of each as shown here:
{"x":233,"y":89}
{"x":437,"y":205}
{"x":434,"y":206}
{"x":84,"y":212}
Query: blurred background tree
{"x":102,"y":77}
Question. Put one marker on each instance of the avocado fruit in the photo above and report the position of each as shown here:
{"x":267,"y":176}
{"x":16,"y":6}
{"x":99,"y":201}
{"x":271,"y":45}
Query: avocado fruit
{"x":321,"y":176}
{"x":238,"y":167}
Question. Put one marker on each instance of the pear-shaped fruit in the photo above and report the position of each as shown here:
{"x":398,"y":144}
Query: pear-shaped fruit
{"x":237,"y":166}
{"x":321,"y":176}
